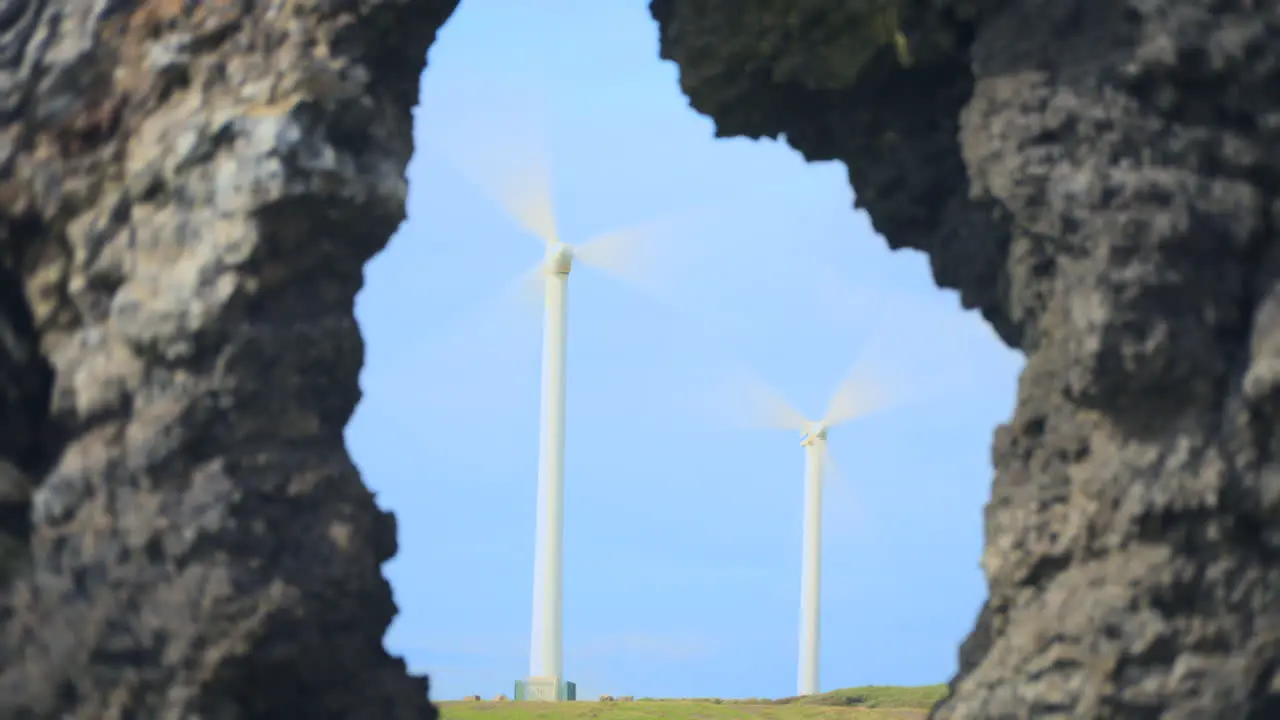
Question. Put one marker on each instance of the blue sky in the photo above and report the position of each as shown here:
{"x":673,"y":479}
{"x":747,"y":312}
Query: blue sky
{"x":682,"y":522}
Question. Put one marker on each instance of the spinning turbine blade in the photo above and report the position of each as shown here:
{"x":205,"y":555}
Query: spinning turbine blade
{"x":619,"y":252}
{"x":518,"y":301}
{"x":640,"y":253}
{"x":861,"y":393}
{"x":849,"y":516}
{"x":527,"y":200}
{"x":904,"y":344}
{"x":777,"y":412}
{"x":501,"y":332}
{"x":526,"y":290}
{"x":524,"y":194}
{"x":506,"y":155}
{"x":760,"y":406}
{"x":508,"y":313}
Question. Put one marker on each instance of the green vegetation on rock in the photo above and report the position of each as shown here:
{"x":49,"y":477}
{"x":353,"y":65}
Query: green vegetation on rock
{"x":842,"y":41}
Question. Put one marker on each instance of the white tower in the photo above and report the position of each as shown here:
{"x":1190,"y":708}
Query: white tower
{"x":815,"y":451}
{"x":546,"y":653}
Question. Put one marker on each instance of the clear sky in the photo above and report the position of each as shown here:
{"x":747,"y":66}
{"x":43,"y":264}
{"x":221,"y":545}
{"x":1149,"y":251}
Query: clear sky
{"x":682,"y":521}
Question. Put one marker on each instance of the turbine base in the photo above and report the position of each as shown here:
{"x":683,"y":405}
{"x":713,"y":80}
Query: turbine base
{"x":545,"y":689}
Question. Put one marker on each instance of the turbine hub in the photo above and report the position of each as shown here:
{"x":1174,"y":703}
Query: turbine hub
{"x":559,"y":258}
{"x":815,"y":432}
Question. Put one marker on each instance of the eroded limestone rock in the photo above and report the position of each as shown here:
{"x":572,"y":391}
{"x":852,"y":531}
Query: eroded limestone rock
{"x":1101,"y":179}
{"x":188,"y":193}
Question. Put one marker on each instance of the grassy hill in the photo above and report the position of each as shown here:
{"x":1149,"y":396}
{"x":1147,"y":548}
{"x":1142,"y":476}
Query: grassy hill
{"x":868,"y":703}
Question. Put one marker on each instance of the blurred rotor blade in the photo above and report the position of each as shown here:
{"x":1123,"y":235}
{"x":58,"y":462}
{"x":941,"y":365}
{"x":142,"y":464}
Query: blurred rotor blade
{"x":846,"y":517}
{"x":772,"y":410}
{"x":527,"y":199}
{"x":510,"y":312}
{"x":909,"y":340}
{"x":862,"y":392}
{"x":484,"y":358}
{"x":745,"y":400}
{"x":647,"y":255}
{"x":509,"y":161}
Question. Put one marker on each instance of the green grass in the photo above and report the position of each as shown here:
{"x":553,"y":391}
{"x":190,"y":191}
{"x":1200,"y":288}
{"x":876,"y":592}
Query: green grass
{"x":880,"y":696}
{"x":868,"y":703}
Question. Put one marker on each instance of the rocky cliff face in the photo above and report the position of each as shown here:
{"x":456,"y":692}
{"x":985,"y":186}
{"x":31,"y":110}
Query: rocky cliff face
{"x":188,"y":193}
{"x":1101,"y":179}
{"x":189,"y":190}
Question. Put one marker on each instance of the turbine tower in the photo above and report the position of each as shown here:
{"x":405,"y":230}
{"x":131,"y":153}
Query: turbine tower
{"x":857,"y":396}
{"x":815,"y":450}
{"x":546,"y":652}
{"x":526,"y":199}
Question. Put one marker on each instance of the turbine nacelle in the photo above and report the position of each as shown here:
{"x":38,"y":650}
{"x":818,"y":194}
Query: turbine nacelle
{"x":814,"y":432}
{"x":559,"y":258}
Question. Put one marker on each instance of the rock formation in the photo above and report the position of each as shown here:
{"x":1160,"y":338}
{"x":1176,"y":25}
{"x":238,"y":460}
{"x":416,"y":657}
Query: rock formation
{"x":189,"y":190}
{"x":1101,"y":179}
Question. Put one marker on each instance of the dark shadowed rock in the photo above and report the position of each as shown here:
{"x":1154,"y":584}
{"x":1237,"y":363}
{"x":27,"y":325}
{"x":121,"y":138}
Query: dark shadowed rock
{"x":1101,"y":179}
{"x":188,"y":193}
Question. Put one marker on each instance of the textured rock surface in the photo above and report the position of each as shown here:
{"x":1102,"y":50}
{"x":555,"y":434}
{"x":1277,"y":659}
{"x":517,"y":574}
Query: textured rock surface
{"x":1101,"y":178}
{"x":188,"y":193}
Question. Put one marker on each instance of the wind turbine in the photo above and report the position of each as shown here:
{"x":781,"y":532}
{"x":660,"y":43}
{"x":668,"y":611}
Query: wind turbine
{"x":546,"y":654}
{"x":858,"y":395}
{"x":527,"y":199}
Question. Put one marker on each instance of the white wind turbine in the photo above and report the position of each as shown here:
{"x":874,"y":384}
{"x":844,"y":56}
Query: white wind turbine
{"x":527,"y":199}
{"x":859,"y":395}
{"x":546,"y":655}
